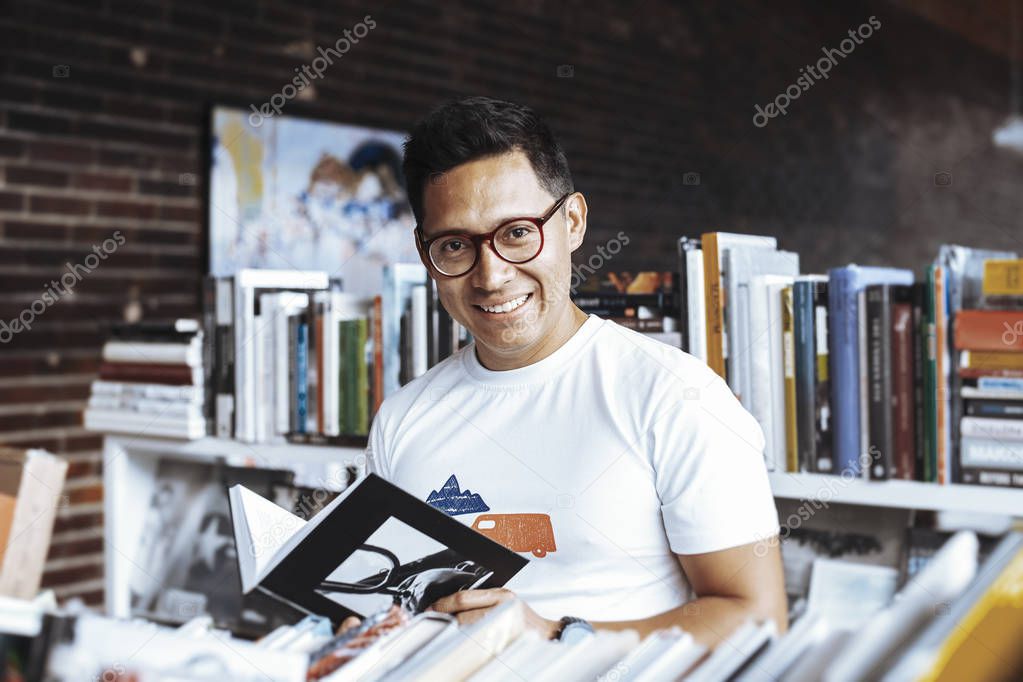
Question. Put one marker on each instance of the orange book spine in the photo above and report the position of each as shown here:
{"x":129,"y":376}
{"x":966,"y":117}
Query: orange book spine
{"x":714,"y":301}
{"x":991,"y":330}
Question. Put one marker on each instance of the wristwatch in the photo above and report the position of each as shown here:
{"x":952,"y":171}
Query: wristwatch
{"x":573,"y":630}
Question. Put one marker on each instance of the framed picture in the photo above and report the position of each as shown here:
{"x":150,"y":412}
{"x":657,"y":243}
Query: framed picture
{"x":295,"y":193}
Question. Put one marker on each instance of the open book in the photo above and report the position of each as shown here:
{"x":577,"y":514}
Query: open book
{"x":372,"y":546}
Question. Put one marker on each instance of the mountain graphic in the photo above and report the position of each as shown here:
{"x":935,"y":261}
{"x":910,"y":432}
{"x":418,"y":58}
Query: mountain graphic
{"x":453,"y":501}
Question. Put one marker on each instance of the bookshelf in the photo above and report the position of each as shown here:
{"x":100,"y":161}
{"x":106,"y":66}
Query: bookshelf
{"x":129,"y":473}
{"x":898,"y":494}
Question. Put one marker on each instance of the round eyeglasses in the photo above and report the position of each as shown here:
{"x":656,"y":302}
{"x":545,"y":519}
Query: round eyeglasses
{"x":516,"y":241}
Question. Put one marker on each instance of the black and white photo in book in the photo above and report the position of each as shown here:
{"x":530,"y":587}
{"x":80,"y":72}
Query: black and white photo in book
{"x":398,"y":564}
{"x":187,"y":563}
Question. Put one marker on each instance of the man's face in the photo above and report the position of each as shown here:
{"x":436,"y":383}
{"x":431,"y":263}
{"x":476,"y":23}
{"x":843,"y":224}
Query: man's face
{"x":475,"y":198}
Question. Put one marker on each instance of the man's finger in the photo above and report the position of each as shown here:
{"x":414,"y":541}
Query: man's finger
{"x":468,"y":600}
{"x":467,"y":617}
{"x":348,"y":623}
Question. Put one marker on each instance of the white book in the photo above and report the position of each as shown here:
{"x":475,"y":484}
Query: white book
{"x":118,"y":421}
{"x":696,"y":305}
{"x":388,"y":652}
{"x":156,"y":408}
{"x":734,"y":652}
{"x":773,"y":665}
{"x":341,"y":307}
{"x":930,"y":590}
{"x":461,"y":655}
{"x":767,"y":385}
{"x":505,"y":666}
{"x":190,"y":394}
{"x":247,"y":282}
{"x":261,"y":530}
{"x":744,"y":264}
{"x":989,"y":427}
{"x":263,"y":374}
{"x":995,"y":453}
{"x":188,"y":353}
{"x":420,"y":357}
{"x":586,"y":659}
{"x":674,"y":662}
{"x":989,"y":393}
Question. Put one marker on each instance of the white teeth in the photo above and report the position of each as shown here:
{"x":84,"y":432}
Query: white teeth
{"x":507,"y":306}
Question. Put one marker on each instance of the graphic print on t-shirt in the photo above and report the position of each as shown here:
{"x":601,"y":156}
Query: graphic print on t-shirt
{"x":452,"y":500}
{"x":519,"y":532}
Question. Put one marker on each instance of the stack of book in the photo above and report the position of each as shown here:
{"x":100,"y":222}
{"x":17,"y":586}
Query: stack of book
{"x":989,"y":345}
{"x":297,"y":359}
{"x":856,"y":372}
{"x":646,"y":302}
{"x":151,"y":382}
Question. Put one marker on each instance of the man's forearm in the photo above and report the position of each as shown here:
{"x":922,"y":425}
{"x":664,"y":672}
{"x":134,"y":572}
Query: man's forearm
{"x":708,"y":619}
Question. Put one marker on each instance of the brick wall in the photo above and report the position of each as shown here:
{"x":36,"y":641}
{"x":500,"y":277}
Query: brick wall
{"x":102,"y":112}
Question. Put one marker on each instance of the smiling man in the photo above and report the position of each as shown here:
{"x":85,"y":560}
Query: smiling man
{"x":623,"y":468}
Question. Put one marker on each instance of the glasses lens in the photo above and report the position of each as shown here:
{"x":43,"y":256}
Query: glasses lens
{"x":518,"y":242}
{"x":453,"y":255}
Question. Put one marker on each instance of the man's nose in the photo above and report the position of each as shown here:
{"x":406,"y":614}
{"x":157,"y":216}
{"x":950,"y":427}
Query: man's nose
{"x":491,"y":272}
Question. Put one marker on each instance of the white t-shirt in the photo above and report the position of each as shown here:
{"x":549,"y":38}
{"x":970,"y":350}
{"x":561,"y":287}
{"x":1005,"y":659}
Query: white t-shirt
{"x":597,"y":463}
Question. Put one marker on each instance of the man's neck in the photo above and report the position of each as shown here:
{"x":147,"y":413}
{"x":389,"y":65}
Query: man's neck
{"x":565,"y":330}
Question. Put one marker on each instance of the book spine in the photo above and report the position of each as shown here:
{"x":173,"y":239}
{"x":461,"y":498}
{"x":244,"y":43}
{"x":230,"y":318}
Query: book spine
{"x":805,"y":361}
{"x":844,"y":354}
{"x":998,"y":478}
{"x":419,"y":332}
{"x":864,"y":458}
{"x":302,"y":374}
{"x":345,"y":371}
{"x":696,"y":317}
{"x":636,"y":324}
{"x":788,"y":331}
{"x":378,"y":354}
{"x":920,"y":443}
{"x":1003,"y":277}
{"x":362,"y":378}
{"x":999,"y":429}
{"x":880,"y":387}
{"x":714,"y":302}
{"x":209,"y":353}
{"x":930,"y":383}
{"x":990,"y":360}
{"x":683,"y":284}
{"x":943,"y":464}
{"x":321,"y":425}
{"x":1000,"y":384}
{"x":903,"y":404}
{"x":660,"y":301}
{"x":224,"y":408}
{"x":989,"y":330}
{"x":823,"y":418}
{"x":994,"y":408}
{"x":432,"y":326}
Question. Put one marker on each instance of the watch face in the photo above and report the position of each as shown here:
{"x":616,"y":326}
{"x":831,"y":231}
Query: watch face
{"x":575,"y":631}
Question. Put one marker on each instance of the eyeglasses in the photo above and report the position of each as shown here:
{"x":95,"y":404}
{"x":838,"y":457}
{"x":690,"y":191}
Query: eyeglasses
{"x":516,"y":241}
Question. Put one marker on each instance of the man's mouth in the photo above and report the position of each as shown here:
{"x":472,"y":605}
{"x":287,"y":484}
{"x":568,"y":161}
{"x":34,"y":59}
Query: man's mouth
{"x":506,"y":306}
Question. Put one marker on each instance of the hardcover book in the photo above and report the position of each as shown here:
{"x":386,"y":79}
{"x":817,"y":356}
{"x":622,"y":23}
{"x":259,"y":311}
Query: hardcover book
{"x":373,"y":546}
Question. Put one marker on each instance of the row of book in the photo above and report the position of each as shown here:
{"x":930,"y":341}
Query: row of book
{"x":645,"y":301}
{"x":151,"y":381}
{"x":955,"y":619}
{"x":858,"y":371}
{"x":296,"y":358}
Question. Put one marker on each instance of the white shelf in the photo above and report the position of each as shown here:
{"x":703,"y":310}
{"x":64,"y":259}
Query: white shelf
{"x":898,"y":494}
{"x":238,"y":453}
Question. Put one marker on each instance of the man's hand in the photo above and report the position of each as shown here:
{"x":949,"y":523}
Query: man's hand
{"x":469,"y":606}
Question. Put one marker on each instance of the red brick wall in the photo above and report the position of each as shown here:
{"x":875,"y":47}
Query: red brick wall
{"x":657,"y":91}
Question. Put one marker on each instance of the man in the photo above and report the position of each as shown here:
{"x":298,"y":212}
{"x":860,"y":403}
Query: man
{"x":623,"y":468}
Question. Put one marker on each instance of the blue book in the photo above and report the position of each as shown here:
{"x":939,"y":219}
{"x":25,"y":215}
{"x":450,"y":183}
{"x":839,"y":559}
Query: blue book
{"x":844,"y":286}
{"x":302,"y":377}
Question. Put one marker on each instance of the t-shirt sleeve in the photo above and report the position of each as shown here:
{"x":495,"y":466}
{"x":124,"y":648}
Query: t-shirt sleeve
{"x":707,"y":453}
{"x":376,"y":453}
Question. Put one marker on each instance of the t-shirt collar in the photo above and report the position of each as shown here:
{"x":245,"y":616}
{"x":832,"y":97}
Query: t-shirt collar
{"x":538,"y":371}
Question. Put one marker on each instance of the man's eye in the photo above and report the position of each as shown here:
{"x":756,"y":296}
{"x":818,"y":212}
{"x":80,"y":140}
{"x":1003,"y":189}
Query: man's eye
{"x":453,"y":246}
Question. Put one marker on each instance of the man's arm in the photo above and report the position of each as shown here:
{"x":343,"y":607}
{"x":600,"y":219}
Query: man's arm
{"x":731,"y":586}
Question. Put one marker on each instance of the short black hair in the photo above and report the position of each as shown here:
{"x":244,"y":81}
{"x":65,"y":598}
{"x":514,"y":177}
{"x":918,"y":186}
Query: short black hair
{"x":471,"y":128}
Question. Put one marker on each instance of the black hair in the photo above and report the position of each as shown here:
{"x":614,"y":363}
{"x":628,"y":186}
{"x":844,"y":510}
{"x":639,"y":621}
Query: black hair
{"x":471,"y":128}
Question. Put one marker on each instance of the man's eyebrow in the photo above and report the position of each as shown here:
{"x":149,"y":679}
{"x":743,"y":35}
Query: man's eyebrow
{"x":469,"y":230}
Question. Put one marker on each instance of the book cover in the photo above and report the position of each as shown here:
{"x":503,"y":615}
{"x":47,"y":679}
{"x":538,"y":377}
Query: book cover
{"x":767,"y":365}
{"x":989,"y":330}
{"x":373,"y":546}
{"x":805,"y":360}
{"x":844,"y":286}
{"x":696,"y":305}
{"x":822,"y":380}
{"x":1003,"y":277}
{"x":685,"y":245}
{"x":879,"y":369}
{"x":920,"y":440}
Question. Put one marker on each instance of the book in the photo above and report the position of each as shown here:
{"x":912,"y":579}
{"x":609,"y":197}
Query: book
{"x":904,"y":342}
{"x":399,"y":278}
{"x":792,"y":462}
{"x":694,"y":300}
{"x":989,"y":330}
{"x":991,"y":360}
{"x":744,"y":263}
{"x":997,"y":429}
{"x":881,"y":429}
{"x":1006,"y":409}
{"x":161,"y":353}
{"x":151,"y":373}
{"x":844,"y":285}
{"x":372,"y":546}
{"x":715,"y":246}
{"x":766,"y":363}
{"x":1003,"y":277}
{"x":809,"y":296}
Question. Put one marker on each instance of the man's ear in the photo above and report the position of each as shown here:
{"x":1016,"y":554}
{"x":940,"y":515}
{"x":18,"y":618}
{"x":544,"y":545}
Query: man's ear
{"x":575,"y":219}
